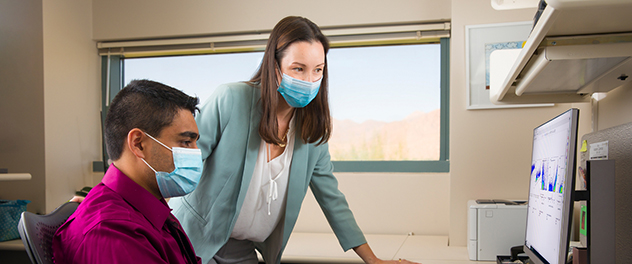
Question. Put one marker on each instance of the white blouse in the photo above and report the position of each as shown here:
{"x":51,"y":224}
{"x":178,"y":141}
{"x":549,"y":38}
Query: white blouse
{"x":264,"y":203}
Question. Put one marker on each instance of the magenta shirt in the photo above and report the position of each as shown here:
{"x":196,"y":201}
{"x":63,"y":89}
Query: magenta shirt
{"x":118,"y":222}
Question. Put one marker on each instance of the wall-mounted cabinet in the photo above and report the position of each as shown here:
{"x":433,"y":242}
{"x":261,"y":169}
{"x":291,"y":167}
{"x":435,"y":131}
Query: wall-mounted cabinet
{"x":576,"y":48}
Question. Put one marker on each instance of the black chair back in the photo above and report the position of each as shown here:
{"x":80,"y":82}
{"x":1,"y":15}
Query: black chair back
{"x":37,"y":231}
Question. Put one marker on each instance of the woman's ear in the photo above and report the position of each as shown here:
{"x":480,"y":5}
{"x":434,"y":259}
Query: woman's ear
{"x":135,"y":142}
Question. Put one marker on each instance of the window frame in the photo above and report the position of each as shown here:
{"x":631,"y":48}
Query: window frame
{"x":111,"y":84}
{"x":442,"y":165}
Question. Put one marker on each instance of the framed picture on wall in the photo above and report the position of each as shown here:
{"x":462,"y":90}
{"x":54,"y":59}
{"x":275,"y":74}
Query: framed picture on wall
{"x":481,"y":41}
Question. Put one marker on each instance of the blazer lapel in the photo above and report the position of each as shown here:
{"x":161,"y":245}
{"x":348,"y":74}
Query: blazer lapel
{"x":254,"y":140}
{"x":297,"y":183}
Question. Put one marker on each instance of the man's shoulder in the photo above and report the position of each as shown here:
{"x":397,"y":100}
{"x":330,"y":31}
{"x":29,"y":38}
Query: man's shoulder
{"x":102,"y":215}
{"x":103,"y":205}
{"x":92,"y":236}
{"x":102,"y":196}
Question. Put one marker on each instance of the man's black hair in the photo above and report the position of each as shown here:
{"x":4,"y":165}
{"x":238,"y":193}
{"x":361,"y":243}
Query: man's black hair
{"x":144,"y":104}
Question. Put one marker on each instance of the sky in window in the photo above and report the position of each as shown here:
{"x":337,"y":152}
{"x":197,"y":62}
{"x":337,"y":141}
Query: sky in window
{"x":385,"y":83}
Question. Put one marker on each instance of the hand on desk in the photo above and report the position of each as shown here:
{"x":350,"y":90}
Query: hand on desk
{"x":403,"y":261}
{"x":366,"y":253}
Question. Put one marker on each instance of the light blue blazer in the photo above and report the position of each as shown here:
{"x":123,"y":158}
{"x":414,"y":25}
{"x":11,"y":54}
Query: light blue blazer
{"x":229,"y":139}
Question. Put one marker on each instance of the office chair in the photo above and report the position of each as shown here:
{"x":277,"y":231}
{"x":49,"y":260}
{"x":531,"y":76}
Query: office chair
{"x":37,"y":231}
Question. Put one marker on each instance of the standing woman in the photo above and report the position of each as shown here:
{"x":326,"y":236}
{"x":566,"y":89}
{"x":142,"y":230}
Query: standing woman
{"x":264,"y":142}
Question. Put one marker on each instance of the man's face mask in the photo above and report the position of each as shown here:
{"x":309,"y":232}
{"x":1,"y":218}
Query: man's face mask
{"x":186,"y":175}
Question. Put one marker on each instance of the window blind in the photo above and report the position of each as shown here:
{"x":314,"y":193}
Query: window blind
{"x":412,"y":33}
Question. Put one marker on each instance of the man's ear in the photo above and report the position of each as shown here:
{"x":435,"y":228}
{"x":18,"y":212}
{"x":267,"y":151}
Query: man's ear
{"x":136,"y":142}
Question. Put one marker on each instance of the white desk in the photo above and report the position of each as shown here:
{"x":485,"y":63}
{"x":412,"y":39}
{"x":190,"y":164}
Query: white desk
{"x":324,"y":248}
{"x":15,"y":244}
{"x":433,"y":250}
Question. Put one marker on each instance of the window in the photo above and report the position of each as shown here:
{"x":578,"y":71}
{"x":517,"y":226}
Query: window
{"x":385,"y":102}
{"x":388,"y":102}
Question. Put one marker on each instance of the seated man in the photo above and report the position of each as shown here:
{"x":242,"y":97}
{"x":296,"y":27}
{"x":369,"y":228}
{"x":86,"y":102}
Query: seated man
{"x":151,"y":135}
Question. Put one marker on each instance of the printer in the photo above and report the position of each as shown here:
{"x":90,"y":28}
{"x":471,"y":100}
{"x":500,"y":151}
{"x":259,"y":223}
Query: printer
{"x":494,"y":226}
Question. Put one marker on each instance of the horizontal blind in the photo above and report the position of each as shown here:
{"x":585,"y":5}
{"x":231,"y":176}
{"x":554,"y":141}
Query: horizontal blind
{"x":413,"y":33}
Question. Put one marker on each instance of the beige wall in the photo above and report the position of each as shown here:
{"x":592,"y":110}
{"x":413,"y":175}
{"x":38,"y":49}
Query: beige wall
{"x":121,"y":19}
{"x":616,"y":108}
{"x":72,"y":94}
{"x":22,"y":101}
{"x":49,"y":100}
{"x":395,"y":203}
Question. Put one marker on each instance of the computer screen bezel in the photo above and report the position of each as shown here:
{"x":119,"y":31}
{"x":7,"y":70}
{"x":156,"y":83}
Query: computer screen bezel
{"x":568,"y":194}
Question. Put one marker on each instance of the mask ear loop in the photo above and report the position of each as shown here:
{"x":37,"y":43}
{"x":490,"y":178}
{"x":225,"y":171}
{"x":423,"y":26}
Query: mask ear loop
{"x":148,"y":165}
{"x":157,"y":141}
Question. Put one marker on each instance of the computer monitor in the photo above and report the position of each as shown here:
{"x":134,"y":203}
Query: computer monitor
{"x":550,"y":204}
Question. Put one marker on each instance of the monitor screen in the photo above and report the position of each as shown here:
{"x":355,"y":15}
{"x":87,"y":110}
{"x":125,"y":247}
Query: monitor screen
{"x":551,"y":186}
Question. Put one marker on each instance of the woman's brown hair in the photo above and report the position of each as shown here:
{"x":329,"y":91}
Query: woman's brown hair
{"x":315,"y":121}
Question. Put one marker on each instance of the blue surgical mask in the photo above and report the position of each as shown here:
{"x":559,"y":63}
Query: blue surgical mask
{"x":298,"y":93}
{"x":186,"y":175}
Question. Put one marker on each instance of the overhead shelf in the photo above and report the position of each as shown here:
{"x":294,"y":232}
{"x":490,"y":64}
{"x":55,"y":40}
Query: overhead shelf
{"x":576,"y":48}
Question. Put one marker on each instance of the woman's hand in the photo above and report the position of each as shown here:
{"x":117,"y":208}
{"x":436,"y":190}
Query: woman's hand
{"x":404,"y":261}
{"x":366,"y":253}
{"x":399,"y":261}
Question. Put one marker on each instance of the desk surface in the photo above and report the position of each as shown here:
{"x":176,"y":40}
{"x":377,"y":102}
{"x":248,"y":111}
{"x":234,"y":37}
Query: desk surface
{"x":301,"y":248}
{"x":324,"y":248}
{"x":15,"y":244}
